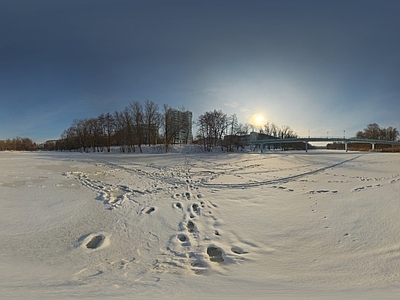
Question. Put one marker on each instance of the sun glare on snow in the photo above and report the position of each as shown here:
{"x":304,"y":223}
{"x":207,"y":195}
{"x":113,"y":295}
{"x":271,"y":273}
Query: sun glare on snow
{"x":257,"y":120}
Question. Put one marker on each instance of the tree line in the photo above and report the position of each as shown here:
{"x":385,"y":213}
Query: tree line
{"x":141,"y":124}
{"x":217,"y":129}
{"x":145,"y":123}
{"x":375,"y":132}
{"x":136,"y":125}
{"x":18,"y":144}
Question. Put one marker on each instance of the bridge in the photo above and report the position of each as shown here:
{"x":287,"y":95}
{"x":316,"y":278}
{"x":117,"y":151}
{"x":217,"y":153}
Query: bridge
{"x":262,"y":143}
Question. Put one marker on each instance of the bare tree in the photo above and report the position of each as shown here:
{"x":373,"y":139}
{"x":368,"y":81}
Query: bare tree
{"x":243,"y":129}
{"x":129,"y":131}
{"x":101,"y":132}
{"x":232,"y":130}
{"x":152,"y":122}
{"x":373,"y":131}
{"x":18,"y":144}
{"x":392,"y":134}
{"x":82,"y":134}
{"x":120,"y":134}
{"x":69,"y":140}
{"x":286,"y":132}
{"x":267,"y":129}
{"x":212,"y":126}
{"x":105,"y":131}
{"x":109,"y":130}
{"x":95,"y":133}
{"x":138,"y":124}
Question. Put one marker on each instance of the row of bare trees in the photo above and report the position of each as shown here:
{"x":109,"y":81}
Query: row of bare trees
{"x":91,"y":133}
{"x":18,"y":144}
{"x":374,"y":131}
{"x":216,"y":129}
{"x":273,"y":130}
{"x":136,"y":125}
{"x":212,"y":126}
{"x":144,"y":124}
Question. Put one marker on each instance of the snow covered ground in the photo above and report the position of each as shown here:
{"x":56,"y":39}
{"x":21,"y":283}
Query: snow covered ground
{"x":279,"y":225}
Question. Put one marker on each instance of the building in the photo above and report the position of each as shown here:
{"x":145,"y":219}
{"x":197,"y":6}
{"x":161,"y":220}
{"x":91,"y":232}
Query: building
{"x":180,"y":126}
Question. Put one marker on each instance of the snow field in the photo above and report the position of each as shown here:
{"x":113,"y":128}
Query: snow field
{"x":283,"y":225}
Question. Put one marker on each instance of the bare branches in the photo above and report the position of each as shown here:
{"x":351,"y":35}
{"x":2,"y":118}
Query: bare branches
{"x":212,"y":126}
{"x":373,"y":131}
{"x":18,"y":144}
{"x":136,"y":111}
{"x":271,"y":129}
{"x":152,"y":121}
{"x":135,"y":126}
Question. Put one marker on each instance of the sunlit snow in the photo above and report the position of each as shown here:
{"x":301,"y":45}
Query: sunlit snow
{"x":276,"y":225}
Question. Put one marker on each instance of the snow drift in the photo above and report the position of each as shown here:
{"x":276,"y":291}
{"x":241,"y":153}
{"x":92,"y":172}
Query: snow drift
{"x":276,"y":225}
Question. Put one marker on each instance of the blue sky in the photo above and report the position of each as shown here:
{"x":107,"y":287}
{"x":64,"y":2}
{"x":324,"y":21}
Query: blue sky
{"x":318,"y":66}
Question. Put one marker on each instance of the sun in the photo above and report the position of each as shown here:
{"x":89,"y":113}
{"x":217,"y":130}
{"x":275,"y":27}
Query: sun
{"x":257,"y":120}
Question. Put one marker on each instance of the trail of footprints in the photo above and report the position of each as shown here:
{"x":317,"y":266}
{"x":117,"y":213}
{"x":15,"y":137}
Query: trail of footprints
{"x":192,"y":245}
{"x":197,"y":245}
{"x":112,"y":195}
{"x":392,"y":180}
{"x":346,"y":236}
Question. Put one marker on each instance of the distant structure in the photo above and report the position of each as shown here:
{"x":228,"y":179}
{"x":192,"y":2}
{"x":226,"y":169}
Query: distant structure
{"x":48,"y":145}
{"x":181,"y":126}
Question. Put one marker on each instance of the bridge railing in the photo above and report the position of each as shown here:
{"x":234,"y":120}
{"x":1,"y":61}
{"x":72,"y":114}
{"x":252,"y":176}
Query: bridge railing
{"x":323,"y":139}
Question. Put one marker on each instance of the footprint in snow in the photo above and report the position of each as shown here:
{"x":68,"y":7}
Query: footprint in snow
{"x":150,"y":210}
{"x":182,"y":237}
{"x":215,"y":254}
{"x":177,"y":205}
{"x":195,"y":208}
{"x":238,"y":250}
{"x":95,"y":242}
{"x":190,"y":226}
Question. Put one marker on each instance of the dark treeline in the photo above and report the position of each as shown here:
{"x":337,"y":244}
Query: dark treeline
{"x":145,"y":124}
{"x":18,"y":144}
{"x":137,"y":125}
{"x":141,"y":124}
{"x":375,"y":132}
{"x":216,"y":129}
